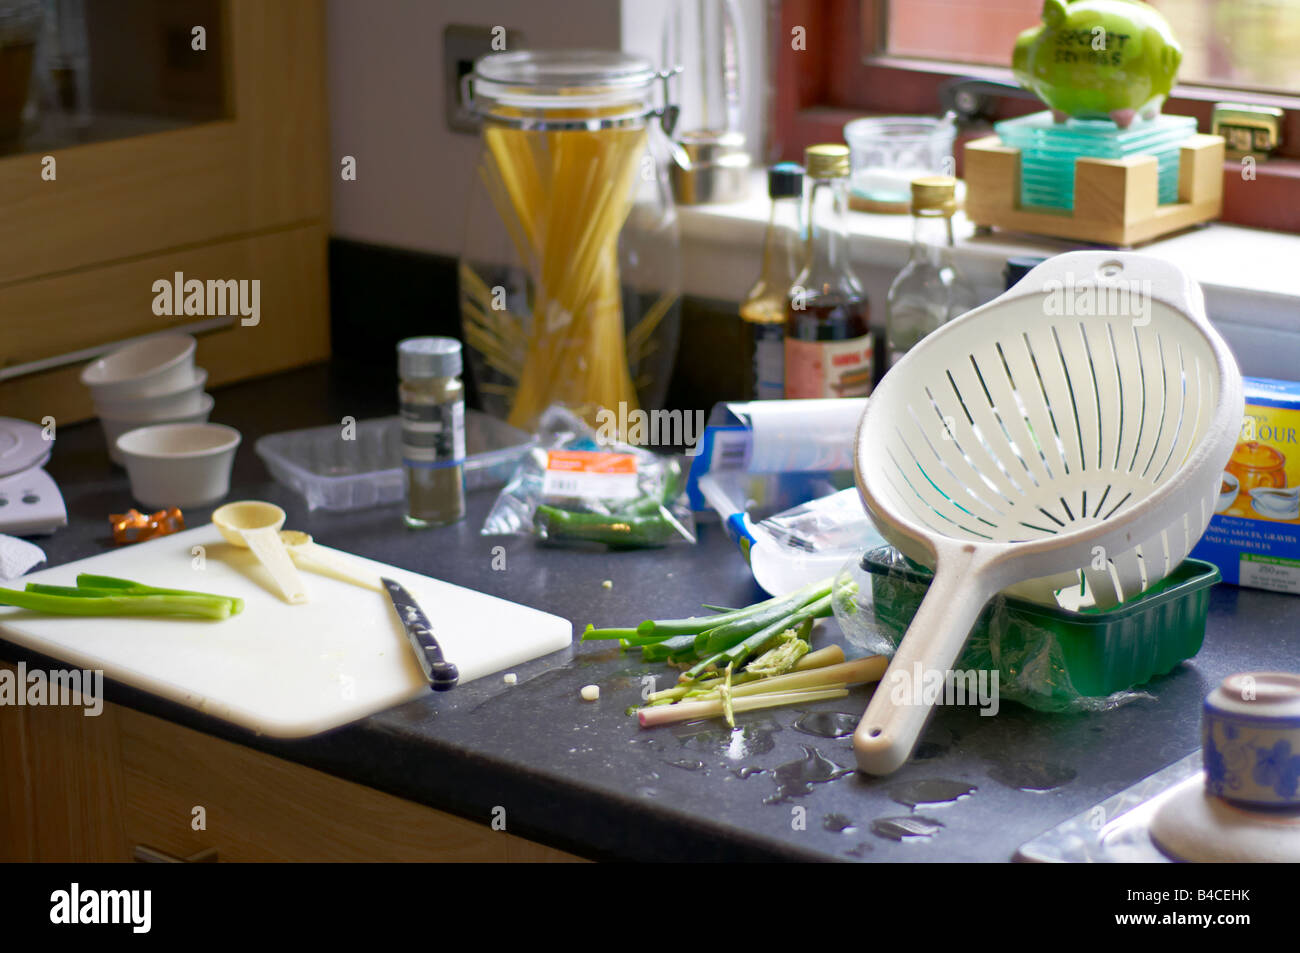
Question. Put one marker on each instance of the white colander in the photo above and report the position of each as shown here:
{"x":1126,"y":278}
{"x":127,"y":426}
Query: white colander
{"x":1073,"y":430}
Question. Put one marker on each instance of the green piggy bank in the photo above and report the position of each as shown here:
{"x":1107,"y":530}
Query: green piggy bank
{"x":1099,"y":59}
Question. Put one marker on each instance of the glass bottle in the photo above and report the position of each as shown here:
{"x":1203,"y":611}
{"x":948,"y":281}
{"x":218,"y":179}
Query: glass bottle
{"x":433,"y":430}
{"x":929,"y":291}
{"x":828,"y":343}
{"x":764,"y":310}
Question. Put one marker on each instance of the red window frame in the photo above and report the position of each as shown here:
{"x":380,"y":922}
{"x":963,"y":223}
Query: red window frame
{"x":820,"y":88}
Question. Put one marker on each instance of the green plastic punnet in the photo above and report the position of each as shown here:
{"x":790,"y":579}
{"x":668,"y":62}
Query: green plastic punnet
{"x":1090,"y":653}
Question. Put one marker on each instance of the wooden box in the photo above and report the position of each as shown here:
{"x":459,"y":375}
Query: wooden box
{"x":1115,"y":200}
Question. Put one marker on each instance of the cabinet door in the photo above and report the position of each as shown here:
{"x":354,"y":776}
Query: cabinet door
{"x":60,"y":784}
{"x":240,"y":196}
{"x":257,"y":808}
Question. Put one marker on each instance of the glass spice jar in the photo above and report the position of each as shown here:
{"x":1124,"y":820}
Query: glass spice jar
{"x":432,"y":401}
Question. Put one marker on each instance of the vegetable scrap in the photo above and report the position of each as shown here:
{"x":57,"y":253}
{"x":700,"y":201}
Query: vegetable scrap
{"x":744,"y":659}
{"x":135,"y":527}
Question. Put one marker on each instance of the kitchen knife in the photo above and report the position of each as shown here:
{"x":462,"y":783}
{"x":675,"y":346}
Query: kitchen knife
{"x":442,"y":675}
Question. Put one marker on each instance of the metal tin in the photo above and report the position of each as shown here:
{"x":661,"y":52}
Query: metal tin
{"x":709,"y":167}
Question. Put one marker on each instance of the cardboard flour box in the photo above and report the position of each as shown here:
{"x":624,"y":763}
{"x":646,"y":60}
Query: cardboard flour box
{"x":1254,"y":535}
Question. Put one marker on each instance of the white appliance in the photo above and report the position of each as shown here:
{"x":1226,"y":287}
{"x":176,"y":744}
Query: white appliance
{"x":30,"y":503}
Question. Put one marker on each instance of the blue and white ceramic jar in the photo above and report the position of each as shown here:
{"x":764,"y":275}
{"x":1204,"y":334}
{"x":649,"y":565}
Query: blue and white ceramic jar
{"x":1250,"y":740}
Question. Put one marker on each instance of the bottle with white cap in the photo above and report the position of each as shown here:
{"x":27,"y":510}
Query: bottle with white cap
{"x":432,"y":400}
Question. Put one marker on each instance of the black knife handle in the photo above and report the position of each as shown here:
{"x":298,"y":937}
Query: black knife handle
{"x":442,"y":675}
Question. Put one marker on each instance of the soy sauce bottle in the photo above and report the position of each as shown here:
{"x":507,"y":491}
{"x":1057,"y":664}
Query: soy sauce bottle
{"x":764,"y":309}
{"x":829,"y":348}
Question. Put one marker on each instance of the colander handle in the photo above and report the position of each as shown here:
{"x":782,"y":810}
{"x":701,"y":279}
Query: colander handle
{"x":1144,"y":275}
{"x":898,"y":711}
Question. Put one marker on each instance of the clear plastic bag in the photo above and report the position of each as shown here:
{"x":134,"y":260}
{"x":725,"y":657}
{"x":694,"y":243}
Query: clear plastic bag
{"x":1033,"y":649}
{"x":576,"y":488}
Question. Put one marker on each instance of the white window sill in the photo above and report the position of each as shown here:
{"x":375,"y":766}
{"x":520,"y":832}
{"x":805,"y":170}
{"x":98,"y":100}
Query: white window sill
{"x":1251,"y":277}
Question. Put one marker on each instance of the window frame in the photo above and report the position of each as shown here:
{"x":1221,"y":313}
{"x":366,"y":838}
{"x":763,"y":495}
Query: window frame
{"x":818,"y":89}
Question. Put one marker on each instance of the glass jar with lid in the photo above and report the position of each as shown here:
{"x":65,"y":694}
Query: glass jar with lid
{"x":570,"y":276}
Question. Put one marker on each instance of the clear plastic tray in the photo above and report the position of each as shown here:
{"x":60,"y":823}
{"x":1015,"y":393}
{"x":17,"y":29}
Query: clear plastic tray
{"x":337,"y":474}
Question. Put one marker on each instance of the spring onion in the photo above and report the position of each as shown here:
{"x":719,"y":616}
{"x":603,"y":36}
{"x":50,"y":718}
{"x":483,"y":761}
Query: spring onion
{"x":830,"y":681}
{"x":109,"y":596}
{"x":690,"y":711}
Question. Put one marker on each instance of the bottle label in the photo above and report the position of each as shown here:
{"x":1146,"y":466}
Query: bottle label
{"x":433,"y":435}
{"x":816,"y":369}
{"x":769,"y":362}
{"x":589,"y":475}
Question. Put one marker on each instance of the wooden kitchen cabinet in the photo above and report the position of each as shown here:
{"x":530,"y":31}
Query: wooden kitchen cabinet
{"x":75,"y":788}
{"x":212,"y":163}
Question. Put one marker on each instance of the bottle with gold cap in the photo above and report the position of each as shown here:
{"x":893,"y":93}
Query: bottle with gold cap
{"x":929,"y":291}
{"x":829,"y":349}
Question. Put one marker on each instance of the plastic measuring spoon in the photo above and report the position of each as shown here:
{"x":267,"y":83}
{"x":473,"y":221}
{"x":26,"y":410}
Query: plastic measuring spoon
{"x":256,"y":526}
{"x":314,"y":558}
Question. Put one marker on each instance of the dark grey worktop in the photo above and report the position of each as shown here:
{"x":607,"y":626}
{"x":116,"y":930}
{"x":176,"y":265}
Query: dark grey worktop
{"x":582,"y":776}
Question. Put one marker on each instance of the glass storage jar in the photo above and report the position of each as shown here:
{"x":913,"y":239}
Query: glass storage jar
{"x":570,"y":276}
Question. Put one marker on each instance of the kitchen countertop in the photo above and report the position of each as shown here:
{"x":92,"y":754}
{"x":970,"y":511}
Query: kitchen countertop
{"x":582,"y":776}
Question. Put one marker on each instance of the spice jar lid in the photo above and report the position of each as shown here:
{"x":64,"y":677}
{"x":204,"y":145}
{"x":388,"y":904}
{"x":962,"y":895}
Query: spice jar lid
{"x":934,"y":193}
{"x":428,"y":357}
{"x":827,"y":161}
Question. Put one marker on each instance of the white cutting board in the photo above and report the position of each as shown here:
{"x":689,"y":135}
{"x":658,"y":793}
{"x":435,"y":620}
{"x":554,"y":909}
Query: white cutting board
{"x":279,"y":669}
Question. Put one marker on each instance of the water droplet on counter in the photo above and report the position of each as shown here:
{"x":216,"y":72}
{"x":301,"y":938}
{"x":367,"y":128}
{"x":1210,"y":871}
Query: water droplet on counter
{"x":651,"y":744}
{"x":861,"y":850}
{"x":743,"y":741}
{"x":647,"y":792}
{"x":796,"y":778}
{"x":617,"y":683}
{"x":827,"y":724}
{"x":909,"y":826}
{"x":687,"y":764}
{"x":935,"y":743}
{"x":1036,"y":776}
{"x":594,"y":656}
{"x":839,"y":823}
{"x":747,"y":772}
{"x":930,"y":791}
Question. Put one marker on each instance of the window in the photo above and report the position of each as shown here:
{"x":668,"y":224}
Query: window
{"x":892,"y":56}
{"x":1245,"y":44}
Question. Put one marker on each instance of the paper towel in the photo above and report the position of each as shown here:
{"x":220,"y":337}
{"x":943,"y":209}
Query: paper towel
{"x":17,"y":556}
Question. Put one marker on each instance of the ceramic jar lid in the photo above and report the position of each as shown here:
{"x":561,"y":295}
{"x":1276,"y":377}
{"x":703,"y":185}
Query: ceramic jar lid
{"x":1250,"y":739}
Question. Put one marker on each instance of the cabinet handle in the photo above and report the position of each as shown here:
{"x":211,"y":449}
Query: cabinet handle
{"x":143,"y":854}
